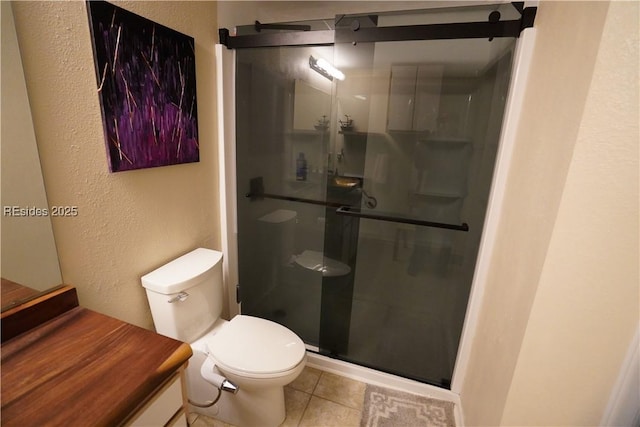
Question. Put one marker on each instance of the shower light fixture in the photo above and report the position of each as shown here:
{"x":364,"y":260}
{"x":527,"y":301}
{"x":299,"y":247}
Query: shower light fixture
{"x":323,"y":67}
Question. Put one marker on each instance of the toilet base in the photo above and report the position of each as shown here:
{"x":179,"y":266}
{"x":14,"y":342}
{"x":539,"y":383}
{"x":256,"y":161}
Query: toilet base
{"x":262,"y":407}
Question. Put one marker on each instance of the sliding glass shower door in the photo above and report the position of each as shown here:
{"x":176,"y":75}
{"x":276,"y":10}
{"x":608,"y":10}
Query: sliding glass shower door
{"x":364,"y":171}
{"x":284,"y":130}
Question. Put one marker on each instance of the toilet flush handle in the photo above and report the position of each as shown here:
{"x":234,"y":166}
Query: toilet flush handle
{"x":180,"y":297}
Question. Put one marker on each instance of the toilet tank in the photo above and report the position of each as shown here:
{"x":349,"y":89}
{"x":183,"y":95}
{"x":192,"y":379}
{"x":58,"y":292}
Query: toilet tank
{"x":278,"y":229}
{"x":185,"y":295}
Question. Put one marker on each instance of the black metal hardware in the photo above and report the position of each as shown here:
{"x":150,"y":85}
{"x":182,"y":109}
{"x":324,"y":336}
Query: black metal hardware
{"x":292,"y":27}
{"x":376,"y":34}
{"x":300,"y":38}
{"x":223,"y":35}
{"x":256,"y":192}
{"x":356,"y":212}
{"x":528,"y":17}
{"x":256,"y":186}
{"x":464,"y":30}
{"x":494,"y":17}
{"x":528,"y":14}
{"x":258,"y":196}
{"x":518,"y":5}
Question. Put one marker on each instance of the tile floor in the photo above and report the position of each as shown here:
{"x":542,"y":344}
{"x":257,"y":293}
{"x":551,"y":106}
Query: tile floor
{"x":315,"y":398}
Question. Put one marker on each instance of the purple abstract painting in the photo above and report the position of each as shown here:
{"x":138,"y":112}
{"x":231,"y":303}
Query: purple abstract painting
{"x":146,"y":80}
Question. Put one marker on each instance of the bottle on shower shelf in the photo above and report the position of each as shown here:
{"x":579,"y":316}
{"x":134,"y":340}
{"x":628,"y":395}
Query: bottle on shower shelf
{"x":301,"y":168}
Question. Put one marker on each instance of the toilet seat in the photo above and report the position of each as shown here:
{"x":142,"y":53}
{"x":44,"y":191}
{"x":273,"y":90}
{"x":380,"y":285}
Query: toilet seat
{"x":253,"y":347}
{"x":316,"y":261}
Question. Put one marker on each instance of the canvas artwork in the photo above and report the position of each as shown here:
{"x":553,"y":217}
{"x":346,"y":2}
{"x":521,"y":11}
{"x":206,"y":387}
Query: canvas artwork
{"x":147,"y":87}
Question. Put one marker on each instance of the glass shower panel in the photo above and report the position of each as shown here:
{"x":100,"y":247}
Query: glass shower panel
{"x":363,"y":174}
{"x":420,"y":124}
{"x":283,"y":112}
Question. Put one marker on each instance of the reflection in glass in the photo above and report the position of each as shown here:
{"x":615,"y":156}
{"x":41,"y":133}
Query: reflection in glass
{"x":29,"y":255}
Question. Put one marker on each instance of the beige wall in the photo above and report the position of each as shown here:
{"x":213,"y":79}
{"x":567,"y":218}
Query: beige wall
{"x":129,"y":222}
{"x":586,"y":308}
{"x":562,"y":299}
{"x":555,"y":311}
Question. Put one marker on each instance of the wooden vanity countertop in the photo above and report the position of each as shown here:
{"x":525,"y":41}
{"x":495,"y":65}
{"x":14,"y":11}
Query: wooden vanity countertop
{"x":83,"y":368}
{"x":12,"y":291}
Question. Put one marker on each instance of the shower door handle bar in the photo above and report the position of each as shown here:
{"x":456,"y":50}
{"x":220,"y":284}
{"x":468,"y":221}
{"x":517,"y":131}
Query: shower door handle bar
{"x":254,"y":196}
{"x":355,"y":212}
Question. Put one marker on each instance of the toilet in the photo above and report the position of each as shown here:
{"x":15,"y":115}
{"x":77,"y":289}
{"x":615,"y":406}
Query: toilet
{"x":257,"y":356}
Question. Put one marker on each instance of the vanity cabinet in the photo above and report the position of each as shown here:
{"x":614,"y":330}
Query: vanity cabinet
{"x":167,"y":407}
{"x":82,"y":368}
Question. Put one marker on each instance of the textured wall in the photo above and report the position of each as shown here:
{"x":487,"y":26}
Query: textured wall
{"x":130,"y":222}
{"x":586,"y":308}
{"x":567,"y":42}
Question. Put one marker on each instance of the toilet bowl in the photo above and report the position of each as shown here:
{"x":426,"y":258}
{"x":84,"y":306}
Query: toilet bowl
{"x":259,"y":356}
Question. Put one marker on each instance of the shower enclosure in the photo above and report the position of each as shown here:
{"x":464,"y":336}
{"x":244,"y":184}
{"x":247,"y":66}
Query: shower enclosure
{"x":365,"y":149}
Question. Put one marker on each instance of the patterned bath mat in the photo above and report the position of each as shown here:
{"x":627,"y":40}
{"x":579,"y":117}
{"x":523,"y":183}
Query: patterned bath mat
{"x":390,"y":408}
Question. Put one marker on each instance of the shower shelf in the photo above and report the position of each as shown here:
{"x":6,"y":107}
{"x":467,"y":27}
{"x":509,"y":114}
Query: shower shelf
{"x":356,"y":134}
{"x":411,"y":133}
{"x":445,"y":141}
{"x":260,"y":195}
{"x":307,"y":132}
{"x":433,"y":194}
{"x":425,"y":137}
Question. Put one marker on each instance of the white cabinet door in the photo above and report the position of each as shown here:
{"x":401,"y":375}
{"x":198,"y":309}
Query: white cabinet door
{"x":163,"y":406}
{"x":414,"y":97}
{"x":402,"y":94}
{"x":427,"y":99}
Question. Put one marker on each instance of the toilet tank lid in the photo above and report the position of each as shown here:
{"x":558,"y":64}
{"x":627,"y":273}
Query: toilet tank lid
{"x":181,"y":273}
